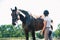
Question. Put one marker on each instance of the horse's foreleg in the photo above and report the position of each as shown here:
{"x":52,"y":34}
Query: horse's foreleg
{"x":33,"y":35}
{"x":26,"y":35}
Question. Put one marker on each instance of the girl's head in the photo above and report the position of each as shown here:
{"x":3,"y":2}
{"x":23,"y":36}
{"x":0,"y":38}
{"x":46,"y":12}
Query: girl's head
{"x":46,"y":13}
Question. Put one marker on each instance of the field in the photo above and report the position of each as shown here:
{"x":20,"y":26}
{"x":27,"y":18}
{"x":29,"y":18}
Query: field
{"x":17,"y":38}
{"x":22,"y":39}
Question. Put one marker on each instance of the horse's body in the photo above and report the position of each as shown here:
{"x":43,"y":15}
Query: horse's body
{"x":31,"y":21}
{"x":30,"y":24}
{"x":36,"y":23}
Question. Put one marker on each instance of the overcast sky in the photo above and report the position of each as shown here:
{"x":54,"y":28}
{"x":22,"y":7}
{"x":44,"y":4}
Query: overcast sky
{"x":35,"y":7}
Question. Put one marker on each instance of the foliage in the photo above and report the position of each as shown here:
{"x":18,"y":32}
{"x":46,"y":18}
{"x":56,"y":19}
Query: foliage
{"x":57,"y":32}
{"x":11,"y":31}
{"x":39,"y":36}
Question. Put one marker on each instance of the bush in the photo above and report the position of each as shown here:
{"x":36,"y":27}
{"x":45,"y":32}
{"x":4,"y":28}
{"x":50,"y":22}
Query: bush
{"x":39,"y":36}
{"x":11,"y":31}
{"x":57,"y":31}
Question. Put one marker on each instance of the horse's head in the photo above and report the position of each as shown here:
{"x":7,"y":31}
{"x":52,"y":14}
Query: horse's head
{"x":14,"y":16}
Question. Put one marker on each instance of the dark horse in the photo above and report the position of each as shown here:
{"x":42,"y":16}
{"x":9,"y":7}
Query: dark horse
{"x":29,"y":23}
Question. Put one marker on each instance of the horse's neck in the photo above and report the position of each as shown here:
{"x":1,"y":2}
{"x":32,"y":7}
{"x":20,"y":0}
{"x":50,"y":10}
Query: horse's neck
{"x":24,"y":12}
{"x":22,"y":18}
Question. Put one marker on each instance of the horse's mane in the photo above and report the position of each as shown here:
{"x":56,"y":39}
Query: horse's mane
{"x":21,"y":17}
{"x":26,"y":13}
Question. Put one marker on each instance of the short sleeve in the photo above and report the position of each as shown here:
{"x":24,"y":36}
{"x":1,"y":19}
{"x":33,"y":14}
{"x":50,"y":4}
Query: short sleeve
{"x":45,"y":19}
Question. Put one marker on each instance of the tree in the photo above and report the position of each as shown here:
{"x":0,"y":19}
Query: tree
{"x":57,"y":32}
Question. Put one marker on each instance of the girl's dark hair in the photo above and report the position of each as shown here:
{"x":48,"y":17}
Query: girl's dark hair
{"x":46,"y":12}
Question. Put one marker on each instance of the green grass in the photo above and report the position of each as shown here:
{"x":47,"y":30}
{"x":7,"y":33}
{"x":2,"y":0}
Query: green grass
{"x":56,"y":38}
{"x":22,"y":38}
{"x":17,"y":38}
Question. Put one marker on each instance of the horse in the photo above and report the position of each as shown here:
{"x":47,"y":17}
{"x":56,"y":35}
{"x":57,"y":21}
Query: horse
{"x":29,"y":23}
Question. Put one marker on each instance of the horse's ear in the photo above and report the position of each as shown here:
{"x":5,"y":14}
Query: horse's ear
{"x":11,"y":9}
{"x":15,"y":8}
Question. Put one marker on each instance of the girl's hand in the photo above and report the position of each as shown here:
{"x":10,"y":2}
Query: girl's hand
{"x":41,"y":32}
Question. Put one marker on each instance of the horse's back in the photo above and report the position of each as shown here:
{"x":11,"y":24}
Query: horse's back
{"x":38,"y":24}
{"x":33,"y":23}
